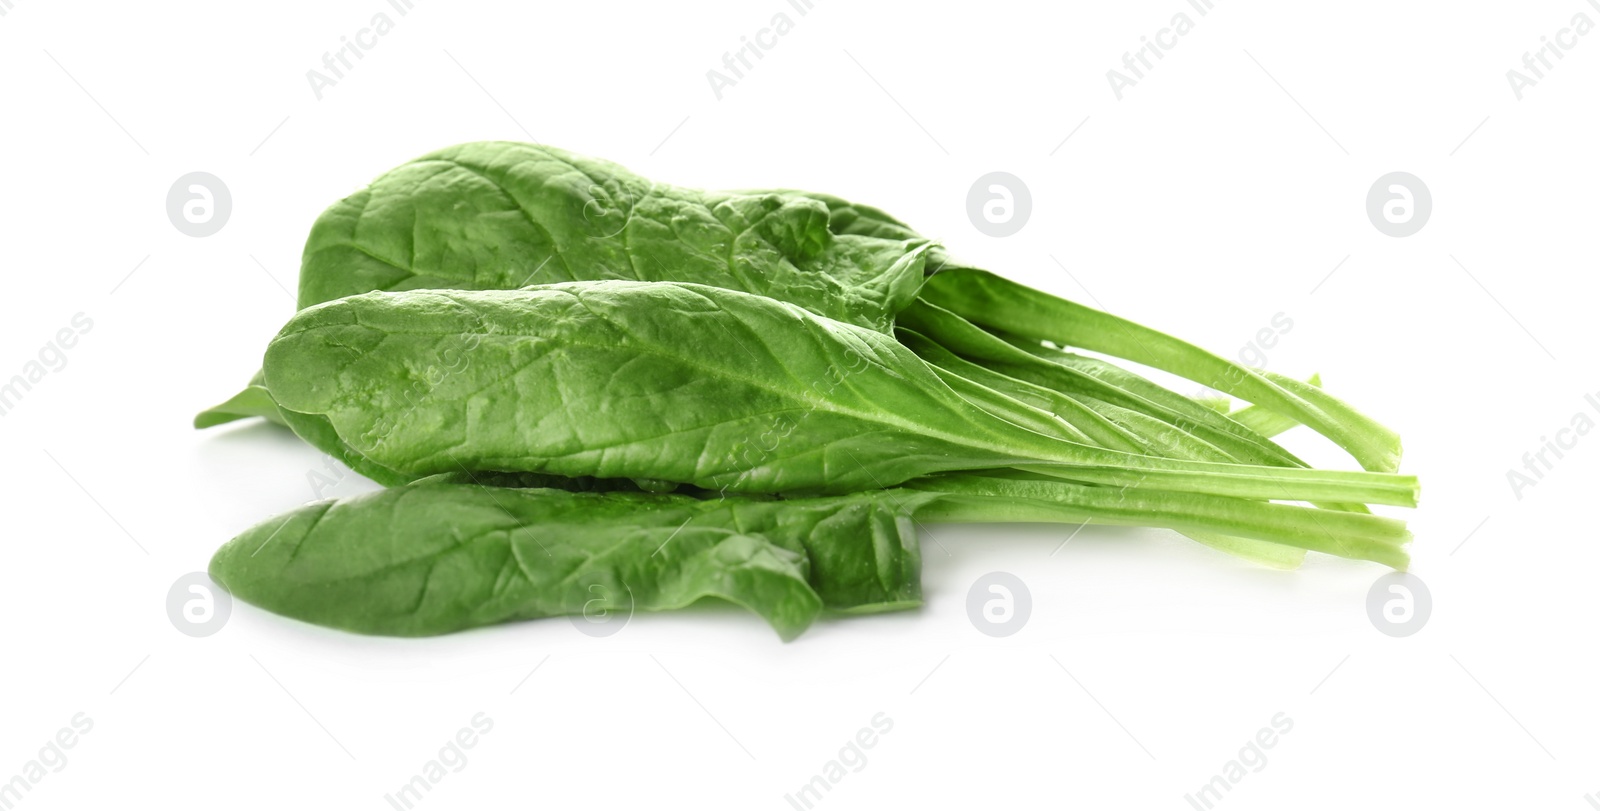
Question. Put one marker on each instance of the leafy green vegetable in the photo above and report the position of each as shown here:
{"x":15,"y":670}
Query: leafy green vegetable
{"x":440,"y":556}
{"x":505,"y":215}
{"x":639,"y":380}
{"x":587,"y":388}
{"x":434,"y":557}
{"x":502,"y":215}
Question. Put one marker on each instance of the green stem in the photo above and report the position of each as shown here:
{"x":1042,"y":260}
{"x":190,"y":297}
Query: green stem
{"x":994,"y":302}
{"x":1240,"y":481}
{"x":1128,"y":430}
{"x":1087,"y":422}
{"x":1265,"y":421}
{"x":959,"y":336}
{"x":966,"y":499}
{"x":1011,"y":410}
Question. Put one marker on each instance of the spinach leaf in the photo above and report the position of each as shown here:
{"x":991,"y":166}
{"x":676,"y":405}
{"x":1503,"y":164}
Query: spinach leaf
{"x":688,"y":384}
{"x":435,"y":557}
{"x":253,"y":401}
{"x":502,"y":215}
{"x":317,"y":430}
{"x":439,"y":556}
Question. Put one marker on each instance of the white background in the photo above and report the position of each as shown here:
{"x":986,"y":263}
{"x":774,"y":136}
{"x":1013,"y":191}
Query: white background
{"x":1203,"y":203}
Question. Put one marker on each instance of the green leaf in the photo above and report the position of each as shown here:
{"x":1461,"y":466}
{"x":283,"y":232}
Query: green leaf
{"x":1265,"y":421}
{"x":253,"y":401}
{"x":503,"y":215}
{"x":687,"y":384}
{"x":432,"y":558}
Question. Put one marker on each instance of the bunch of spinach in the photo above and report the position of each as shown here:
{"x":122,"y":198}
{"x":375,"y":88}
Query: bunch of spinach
{"x":559,"y":336}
